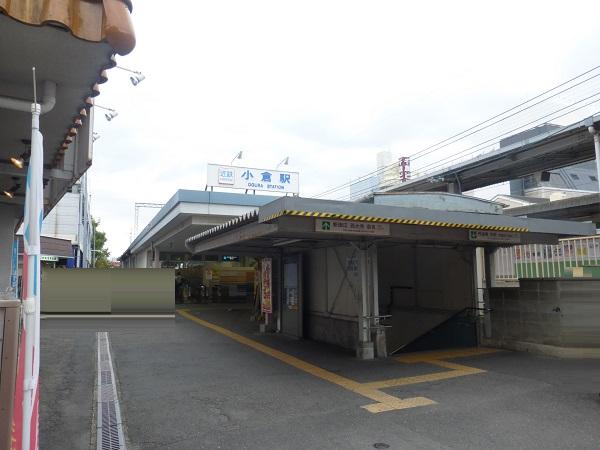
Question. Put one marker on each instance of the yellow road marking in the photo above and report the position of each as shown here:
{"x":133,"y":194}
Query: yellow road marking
{"x":457,"y":370}
{"x":384,"y":402}
{"x":436,"y":355}
{"x":436,"y":358}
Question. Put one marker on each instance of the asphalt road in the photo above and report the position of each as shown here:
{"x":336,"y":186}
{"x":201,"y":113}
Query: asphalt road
{"x":185,"y":386}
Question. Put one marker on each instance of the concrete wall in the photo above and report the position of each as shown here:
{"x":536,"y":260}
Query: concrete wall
{"x":560,"y":313}
{"x":331,"y":295}
{"x":125,"y":291}
{"x":420,"y":286}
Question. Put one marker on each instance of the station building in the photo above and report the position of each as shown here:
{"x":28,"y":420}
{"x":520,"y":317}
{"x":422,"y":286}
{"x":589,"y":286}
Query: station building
{"x":374,"y":278}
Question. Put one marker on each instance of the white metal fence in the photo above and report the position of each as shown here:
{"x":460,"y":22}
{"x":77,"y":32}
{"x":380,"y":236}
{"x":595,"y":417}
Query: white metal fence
{"x":545,"y":261}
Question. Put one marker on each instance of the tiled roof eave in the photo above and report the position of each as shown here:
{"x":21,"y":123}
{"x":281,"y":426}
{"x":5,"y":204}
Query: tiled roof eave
{"x":106,"y":21}
{"x":96,"y":21}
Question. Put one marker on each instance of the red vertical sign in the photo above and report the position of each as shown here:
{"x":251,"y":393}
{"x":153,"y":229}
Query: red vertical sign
{"x":267,"y":285}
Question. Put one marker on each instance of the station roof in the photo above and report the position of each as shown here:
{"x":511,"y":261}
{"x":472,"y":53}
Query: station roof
{"x":294,"y":222}
{"x":189,"y":211}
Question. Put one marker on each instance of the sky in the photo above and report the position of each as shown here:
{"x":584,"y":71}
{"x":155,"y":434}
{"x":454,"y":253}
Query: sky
{"x":328,"y":83}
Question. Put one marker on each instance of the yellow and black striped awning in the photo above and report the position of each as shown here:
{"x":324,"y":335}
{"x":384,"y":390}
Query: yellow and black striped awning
{"x":403,"y":221}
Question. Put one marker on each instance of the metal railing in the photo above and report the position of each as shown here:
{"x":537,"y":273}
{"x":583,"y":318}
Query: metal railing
{"x":545,"y":261}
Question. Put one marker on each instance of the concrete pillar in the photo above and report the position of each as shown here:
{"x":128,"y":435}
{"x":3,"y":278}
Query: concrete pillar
{"x":379,"y":337}
{"x":365,"y":348}
{"x":156,"y":262}
{"x":9,"y":215}
{"x":454,"y":188}
{"x":481,"y":285}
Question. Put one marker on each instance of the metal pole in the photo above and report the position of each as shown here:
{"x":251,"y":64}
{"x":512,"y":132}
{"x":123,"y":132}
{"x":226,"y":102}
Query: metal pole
{"x":31,"y":303}
{"x":380,"y":337}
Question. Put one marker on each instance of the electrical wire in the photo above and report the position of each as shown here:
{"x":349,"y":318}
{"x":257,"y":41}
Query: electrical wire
{"x":432,"y":167}
{"x":430,"y":149}
{"x":504,"y":118}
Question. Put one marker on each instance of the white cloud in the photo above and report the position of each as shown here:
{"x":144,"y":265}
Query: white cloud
{"x":328,"y":83}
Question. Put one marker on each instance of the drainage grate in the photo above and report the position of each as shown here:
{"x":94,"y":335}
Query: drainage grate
{"x":109,"y":433}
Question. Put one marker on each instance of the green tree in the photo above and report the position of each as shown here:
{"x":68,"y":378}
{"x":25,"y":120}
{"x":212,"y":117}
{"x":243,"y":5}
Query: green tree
{"x":100,"y":253}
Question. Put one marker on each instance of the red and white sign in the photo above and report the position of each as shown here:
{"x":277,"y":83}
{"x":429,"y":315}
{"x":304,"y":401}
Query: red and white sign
{"x":266,"y":285}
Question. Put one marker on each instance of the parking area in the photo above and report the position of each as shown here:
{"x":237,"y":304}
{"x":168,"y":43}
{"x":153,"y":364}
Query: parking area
{"x":208,"y":380}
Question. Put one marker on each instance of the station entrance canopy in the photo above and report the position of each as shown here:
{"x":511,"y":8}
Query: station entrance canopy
{"x":339,"y":268}
{"x":297,"y":223}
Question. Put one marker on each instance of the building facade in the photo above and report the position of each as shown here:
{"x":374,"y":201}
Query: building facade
{"x":71,"y":219}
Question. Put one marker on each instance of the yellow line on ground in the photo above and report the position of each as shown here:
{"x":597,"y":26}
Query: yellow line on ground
{"x":444,"y":354}
{"x":436,"y":358}
{"x":385,"y":402}
{"x":421,"y":378}
{"x":458,"y":370}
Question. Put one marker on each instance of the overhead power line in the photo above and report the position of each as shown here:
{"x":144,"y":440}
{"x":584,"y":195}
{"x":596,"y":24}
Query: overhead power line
{"x":435,"y":166}
{"x":479,"y":127}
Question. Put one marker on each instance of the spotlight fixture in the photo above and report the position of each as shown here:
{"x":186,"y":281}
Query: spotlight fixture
{"x":18,"y":161}
{"x":285,"y":161}
{"x":137,"y":77}
{"x":95,"y":136}
{"x":237,"y":156}
{"x":10,"y":193}
{"x":110,"y":115}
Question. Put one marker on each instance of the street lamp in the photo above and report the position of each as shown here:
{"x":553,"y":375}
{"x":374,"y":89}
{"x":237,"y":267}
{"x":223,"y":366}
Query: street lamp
{"x":285,"y":161}
{"x":237,"y":156}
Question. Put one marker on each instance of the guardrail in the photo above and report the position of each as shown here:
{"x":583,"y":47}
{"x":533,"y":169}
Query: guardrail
{"x":574,"y":257}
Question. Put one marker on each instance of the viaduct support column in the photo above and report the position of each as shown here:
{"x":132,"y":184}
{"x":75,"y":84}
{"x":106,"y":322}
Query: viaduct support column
{"x":156,"y":261}
{"x":596,"y":134}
